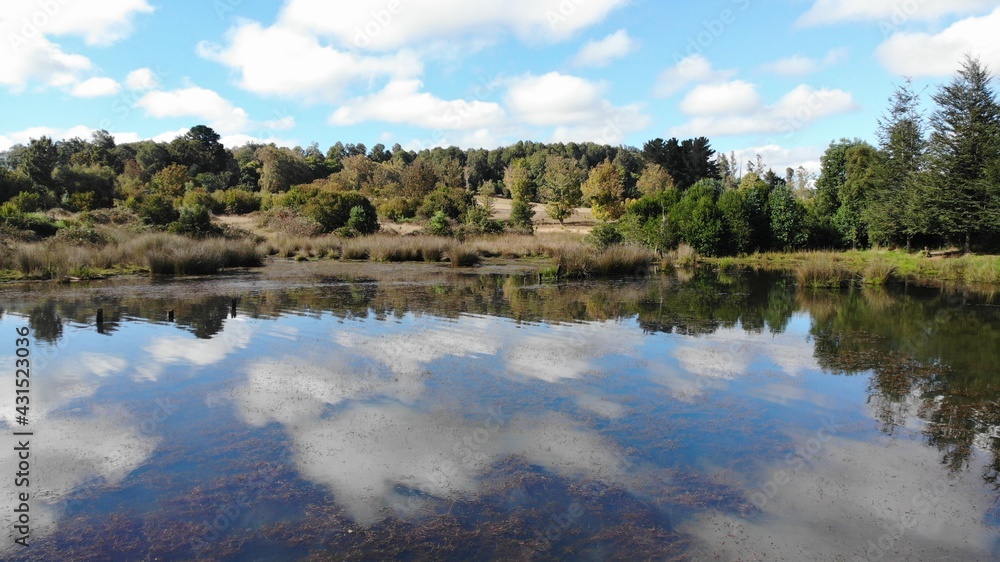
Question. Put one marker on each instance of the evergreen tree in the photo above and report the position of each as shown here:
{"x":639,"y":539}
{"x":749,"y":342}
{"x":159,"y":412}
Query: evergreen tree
{"x":964,"y":147}
{"x":897,"y":210}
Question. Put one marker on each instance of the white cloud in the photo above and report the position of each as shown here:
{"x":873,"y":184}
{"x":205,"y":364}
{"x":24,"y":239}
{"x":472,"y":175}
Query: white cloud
{"x":730,"y":97}
{"x":893,"y":12}
{"x":99,"y":22}
{"x":853,"y":500}
{"x":401,"y":101}
{"x":797,"y":109}
{"x":382,"y":25}
{"x":778,"y":158}
{"x":691,"y":70}
{"x":26,"y":53}
{"x":96,"y":87}
{"x":184,"y":349}
{"x":365,"y":453}
{"x":601,"y":53}
{"x":142,"y":79}
{"x":282,"y":61}
{"x":575,"y":106}
{"x":218,"y":112}
{"x":799,"y":65}
{"x":925,"y":54}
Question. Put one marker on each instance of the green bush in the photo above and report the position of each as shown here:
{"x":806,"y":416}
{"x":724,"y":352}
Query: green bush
{"x":452,"y":202}
{"x":157,"y":209}
{"x":398,"y":209}
{"x":195,"y":221}
{"x":237,"y":201}
{"x":521,"y":214}
{"x":439,"y":225}
{"x":29,"y":202}
{"x":33,"y":222}
{"x":199,"y":197}
{"x":604,"y":236}
{"x":332,"y":209}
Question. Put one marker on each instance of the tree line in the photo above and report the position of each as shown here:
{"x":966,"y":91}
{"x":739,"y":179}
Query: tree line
{"x":928,"y":182}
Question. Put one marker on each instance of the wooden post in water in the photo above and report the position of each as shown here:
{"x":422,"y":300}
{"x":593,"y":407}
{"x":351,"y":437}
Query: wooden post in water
{"x":170,"y":315}
{"x":100,"y":316}
{"x":232,"y":310}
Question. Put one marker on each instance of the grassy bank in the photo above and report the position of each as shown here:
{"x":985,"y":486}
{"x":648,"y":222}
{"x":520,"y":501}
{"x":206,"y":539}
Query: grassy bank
{"x":873,"y":267}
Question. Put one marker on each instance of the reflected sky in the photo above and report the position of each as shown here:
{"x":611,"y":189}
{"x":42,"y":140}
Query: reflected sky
{"x":722,"y":418}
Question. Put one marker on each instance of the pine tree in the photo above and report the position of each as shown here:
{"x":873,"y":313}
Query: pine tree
{"x":964,"y":147}
{"x":897,"y":210}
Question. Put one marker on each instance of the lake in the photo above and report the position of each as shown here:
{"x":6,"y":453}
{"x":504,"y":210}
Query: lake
{"x":492,"y":417}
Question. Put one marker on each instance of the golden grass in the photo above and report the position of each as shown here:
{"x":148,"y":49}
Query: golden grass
{"x":822,"y":270}
{"x":462,"y":255}
{"x":878,"y":271}
{"x":158,"y":253}
{"x":582,"y":261}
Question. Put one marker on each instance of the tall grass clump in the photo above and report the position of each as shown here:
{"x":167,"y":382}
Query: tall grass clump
{"x":684,"y":257}
{"x":623,"y":260}
{"x":462,"y":255}
{"x":878,"y":271}
{"x":822,"y":270}
{"x":984,"y":270}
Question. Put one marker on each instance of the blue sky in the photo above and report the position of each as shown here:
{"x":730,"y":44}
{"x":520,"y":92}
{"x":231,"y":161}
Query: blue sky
{"x":780,"y":78}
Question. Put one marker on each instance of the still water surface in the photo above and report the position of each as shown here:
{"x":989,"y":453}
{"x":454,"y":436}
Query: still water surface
{"x":488,"y":417}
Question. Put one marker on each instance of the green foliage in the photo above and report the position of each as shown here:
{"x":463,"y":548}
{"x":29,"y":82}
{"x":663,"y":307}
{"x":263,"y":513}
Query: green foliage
{"x":199,"y":197}
{"x":655,"y":179}
{"x":195,"y":221}
{"x":521,"y":215}
{"x":39,"y":161}
{"x":237,"y":201}
{"x":157,"y":209}
{"x":12,"y":182}
{"x":331,"y":210}
{"x":28,"y":202}
{"x":398,"y":209}
{"x":517,"y":180}
{"x":698,"y":220}
{"x":561,"y":187}
{"x":451,"y":202}
{"x":788,"y":219}
{"x":604,"y":235}
{"x":363,"y":219}
{"x":478,"y":222}
{"x":281,"y":169}
{"x":439,"y":225}
{"x":605,"y":188}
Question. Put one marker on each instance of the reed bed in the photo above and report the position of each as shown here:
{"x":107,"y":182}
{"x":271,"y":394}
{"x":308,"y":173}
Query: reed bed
{"x":158,"y":253}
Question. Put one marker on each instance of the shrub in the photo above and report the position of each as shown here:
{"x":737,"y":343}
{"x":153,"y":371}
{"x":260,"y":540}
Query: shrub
{"x":199,"y":197}
{"x":398,"y":209}
{"x":521,"y":215}
{"x":195,"y":221}
{"x":451,"y":202}
{"x":439,"y":225}
{"x":157,"y":210}
{"x":237,"y":201}
{"x":28,"y":202}
{"x":330,"y":209}
{"x":363,"y":219}
{"x":604,"y":235}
